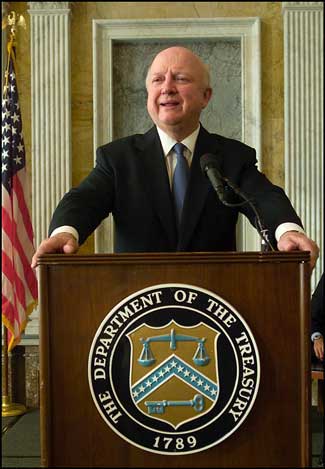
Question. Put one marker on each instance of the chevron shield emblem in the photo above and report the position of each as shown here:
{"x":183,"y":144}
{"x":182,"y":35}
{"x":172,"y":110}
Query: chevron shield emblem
{"x":174,"y":371}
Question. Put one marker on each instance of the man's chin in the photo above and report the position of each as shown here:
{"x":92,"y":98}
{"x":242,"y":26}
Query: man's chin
{"x":170,"y":121}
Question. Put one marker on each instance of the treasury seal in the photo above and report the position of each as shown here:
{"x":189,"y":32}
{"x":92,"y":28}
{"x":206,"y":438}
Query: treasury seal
{"x":174,"y":369}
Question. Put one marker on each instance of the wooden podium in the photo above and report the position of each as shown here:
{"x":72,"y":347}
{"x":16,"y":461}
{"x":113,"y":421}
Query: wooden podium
{"x":272,"y":293}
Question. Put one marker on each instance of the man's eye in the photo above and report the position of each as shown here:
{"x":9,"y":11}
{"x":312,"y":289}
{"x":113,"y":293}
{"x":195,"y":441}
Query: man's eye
{"x":156,"y":80}
{"x":183,"y":79}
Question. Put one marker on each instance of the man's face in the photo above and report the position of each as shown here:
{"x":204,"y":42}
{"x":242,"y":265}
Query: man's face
{"x":177,"y":90}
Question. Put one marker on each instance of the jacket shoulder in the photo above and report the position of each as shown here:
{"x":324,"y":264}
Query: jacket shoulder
{"x":131,"y":141}
{"x":231,"y":143}
{"x":120,"y":143}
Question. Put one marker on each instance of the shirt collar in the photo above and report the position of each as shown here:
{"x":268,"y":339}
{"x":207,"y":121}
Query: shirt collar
{"x":168,"y":142}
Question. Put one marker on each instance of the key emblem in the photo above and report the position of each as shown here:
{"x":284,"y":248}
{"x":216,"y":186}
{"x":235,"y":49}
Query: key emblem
{"x":158,"y":407}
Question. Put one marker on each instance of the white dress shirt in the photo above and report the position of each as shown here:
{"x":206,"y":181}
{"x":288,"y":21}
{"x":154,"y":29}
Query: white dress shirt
{"x":167,"y":144}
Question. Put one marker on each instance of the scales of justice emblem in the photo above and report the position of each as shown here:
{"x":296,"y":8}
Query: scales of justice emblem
{"x":174,"y":371}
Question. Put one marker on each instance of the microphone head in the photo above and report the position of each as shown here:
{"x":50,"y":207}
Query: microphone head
{"x":208,"y":161}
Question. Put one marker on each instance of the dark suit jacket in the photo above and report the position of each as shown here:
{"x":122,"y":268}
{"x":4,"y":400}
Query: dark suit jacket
{"x":130,"y":181}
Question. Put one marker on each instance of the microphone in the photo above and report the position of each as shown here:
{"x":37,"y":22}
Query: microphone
{"x":210,"y":166}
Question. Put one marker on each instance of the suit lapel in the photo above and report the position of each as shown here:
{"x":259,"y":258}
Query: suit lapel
{"x":156,"y":183}
{"x":198,"y":188}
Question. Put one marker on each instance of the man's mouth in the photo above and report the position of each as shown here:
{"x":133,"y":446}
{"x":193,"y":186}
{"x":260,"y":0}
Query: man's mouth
{"x":169,"y":104}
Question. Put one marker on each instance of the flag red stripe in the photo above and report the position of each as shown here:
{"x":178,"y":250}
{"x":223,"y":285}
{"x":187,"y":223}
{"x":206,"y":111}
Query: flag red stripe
{"x":29,"y":274}
{"x":22,"y":205}
{"x":16,"y":262}
{"x":8,"y":310}
{"x":19,"y":319}
{"x":11,"y":274}
{"x":13,"y":212}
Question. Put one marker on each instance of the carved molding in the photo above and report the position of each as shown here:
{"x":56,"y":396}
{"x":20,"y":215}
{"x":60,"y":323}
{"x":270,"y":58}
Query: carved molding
{"x":48,"y":5}
{"x":296,"y":6}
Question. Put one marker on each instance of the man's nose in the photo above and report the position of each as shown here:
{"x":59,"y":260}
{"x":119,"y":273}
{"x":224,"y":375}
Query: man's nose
{"x":169,"y":85}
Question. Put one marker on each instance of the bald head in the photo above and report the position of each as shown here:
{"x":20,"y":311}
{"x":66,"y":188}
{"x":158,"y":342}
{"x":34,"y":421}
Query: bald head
{"x":179,"y":53}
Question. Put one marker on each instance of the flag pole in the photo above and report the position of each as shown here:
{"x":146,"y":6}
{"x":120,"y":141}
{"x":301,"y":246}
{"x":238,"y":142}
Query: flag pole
{"x":9,"y":409}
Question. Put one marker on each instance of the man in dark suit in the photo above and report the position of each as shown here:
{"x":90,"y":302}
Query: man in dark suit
{"x":133,"y":179}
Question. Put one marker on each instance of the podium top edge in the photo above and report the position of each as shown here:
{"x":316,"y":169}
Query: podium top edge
{"x":179,"y":257}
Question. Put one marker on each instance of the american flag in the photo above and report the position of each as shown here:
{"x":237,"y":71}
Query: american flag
{"x":19,"y":283}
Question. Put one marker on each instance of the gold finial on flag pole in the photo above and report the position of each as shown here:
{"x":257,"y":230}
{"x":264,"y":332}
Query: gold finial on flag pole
{"x":13,"y":20}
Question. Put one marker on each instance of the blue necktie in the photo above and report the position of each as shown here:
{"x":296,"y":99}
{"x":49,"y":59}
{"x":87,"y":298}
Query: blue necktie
{"x":180,"y":179}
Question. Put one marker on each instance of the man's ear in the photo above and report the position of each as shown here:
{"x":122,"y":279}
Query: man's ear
{"x":207,"y":93}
